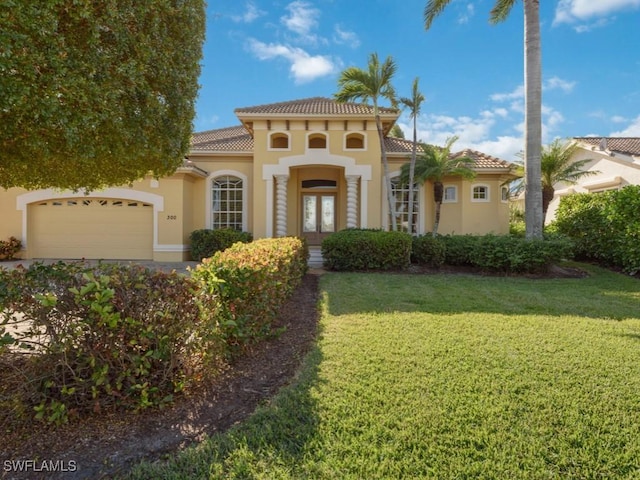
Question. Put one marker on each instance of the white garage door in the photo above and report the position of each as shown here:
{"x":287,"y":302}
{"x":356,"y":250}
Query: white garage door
{"x":91,"y":228}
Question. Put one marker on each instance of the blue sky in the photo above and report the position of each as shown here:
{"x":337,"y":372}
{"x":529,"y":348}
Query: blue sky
{"x":470,"y":71}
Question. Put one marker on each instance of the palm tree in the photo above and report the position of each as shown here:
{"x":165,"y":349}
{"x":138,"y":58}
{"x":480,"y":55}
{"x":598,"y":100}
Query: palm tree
{"x":558,"y":167}
{"x":435,"y":164}
{"x":414,"y":103}
{"x":533,"y":101}
{"x":372,"y":85}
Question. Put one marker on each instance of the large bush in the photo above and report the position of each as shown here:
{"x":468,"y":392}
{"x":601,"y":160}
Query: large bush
{"x":605,"y":227}
{"x":205,"y":243}
{"x":102,"y":337}
{"x":362,"y":249}
{"x":252,"y":281}
{"x":509,"y":254}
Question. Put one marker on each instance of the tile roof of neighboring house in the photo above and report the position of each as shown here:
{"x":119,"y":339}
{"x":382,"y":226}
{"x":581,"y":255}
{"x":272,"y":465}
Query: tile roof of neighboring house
{"x":232,"y":139}
{"x":482,"y":160}
{"x":624,"y":145}
{"x":312,"y":106}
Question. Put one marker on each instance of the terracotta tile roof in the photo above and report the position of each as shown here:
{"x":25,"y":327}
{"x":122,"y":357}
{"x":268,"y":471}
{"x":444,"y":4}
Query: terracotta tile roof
{"x":624,"y":145}
{"x":399,"y":145}
{"x":312,"y":106}
{"x":483,"y":160}
{"x":231,"y":139}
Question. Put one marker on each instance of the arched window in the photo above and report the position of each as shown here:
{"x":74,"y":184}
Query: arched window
{"x":480,"y":193}
{"x":400,"y":194}
{"x":227,"y":202}
{"x":354,"y":141}
{"x":279,"y":141}
{"x":317,"y":140}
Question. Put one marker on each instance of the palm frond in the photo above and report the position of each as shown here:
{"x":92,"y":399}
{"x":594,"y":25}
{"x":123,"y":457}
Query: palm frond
{"x":502,"y":9}
{"x":432,"y":10}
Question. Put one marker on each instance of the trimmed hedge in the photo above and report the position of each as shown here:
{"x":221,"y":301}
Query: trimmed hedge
{"x":205,"y":243}
{"x":428,"y":250}
{"x":605,"y":227}
{"x":508,"y":254}
{"x":365,"y":249}
{"x":253,"y":280}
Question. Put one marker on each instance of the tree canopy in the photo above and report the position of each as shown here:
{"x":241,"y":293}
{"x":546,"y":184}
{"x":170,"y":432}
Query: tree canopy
{"x":96,"y":93}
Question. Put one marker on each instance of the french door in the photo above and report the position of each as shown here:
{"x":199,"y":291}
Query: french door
{"x":318,"y":216}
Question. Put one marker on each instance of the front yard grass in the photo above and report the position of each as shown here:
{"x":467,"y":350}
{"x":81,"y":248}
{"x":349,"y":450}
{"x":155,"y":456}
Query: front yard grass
{"x":449,"y":376}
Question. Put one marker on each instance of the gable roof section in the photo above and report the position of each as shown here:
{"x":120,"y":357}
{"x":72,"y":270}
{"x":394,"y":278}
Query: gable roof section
{"x":223,"y":140}
{"x":624,"y":145}
{"x":314,"y":106}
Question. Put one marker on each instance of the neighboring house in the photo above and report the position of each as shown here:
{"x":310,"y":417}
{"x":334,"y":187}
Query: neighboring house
{"x":306,"y":167}
{"x":617,"y":159}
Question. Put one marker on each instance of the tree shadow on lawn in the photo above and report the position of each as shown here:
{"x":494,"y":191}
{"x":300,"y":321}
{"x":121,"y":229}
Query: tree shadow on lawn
{"x":601,"y":294}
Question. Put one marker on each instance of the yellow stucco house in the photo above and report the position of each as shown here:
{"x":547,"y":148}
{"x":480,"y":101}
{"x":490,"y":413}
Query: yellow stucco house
{"x":306,"y":167}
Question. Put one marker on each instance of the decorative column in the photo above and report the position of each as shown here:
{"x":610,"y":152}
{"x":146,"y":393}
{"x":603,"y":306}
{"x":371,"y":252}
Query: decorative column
{"x":352,"y":200}
{"x":281,"y":205}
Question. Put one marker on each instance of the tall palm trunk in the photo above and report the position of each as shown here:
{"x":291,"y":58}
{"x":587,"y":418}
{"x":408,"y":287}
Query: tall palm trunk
{"x":533,"y":120}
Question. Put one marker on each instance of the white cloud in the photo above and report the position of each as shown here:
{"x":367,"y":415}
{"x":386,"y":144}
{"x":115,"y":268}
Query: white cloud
{"x":633,"y":130}
{"x":467,"y":14}
{"x":251,"y":14}
{"x":342,"y":37}
{"x":575,"y":11}
{"x":558,"y":83}
{"x":302,"y":18}
{"x":304,"y":67}
{"x":517,"y":94}
{"x":618,"y":119}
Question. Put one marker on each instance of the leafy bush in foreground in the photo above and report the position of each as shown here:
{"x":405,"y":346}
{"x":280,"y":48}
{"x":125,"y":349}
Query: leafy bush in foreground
{"x":252,"y":281}
{"x":104,"y":336}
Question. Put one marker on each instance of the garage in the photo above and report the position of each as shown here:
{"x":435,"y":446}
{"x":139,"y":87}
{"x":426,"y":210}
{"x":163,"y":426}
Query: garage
{"x":92,"y":228}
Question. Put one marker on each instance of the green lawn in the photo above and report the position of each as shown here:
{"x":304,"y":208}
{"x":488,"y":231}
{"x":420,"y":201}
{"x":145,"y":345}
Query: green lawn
{"x":449,"y":376}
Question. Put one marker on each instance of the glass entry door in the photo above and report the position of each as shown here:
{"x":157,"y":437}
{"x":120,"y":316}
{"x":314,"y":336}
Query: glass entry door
{"x":318,"y":216}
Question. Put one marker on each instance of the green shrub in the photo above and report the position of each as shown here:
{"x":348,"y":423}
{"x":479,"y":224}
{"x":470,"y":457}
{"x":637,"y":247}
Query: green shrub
{"x":458,"y":249}
{"x":252,"y":281}
{"x":205,"y":243}
{"x":508,"y":254}
{"x":605,"y":227}
{"x":362,"y":249}
{"x":105,"y":336}
{"x":428,"y":250}
{"x":9,"y":248}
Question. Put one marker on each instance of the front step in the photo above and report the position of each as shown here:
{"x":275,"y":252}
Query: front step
{"x":315,"y":257}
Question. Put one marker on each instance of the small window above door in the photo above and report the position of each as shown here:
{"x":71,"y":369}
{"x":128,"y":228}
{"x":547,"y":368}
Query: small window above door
{"x":319,"y":184}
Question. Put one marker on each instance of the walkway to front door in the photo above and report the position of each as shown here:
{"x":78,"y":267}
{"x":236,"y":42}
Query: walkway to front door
{"x":318,"y":216}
